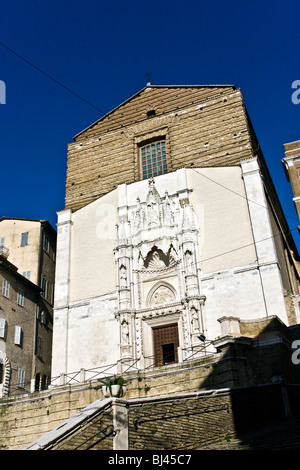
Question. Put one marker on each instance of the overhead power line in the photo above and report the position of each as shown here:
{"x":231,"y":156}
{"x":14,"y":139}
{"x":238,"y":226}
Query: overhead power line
{"x":103,"y":112}
{"x":235,"y":192}
{"x":98,"y":109}
{"x":51,"y":78}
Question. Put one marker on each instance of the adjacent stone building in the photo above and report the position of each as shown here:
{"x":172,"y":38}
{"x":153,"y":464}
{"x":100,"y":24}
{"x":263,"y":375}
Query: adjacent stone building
{"x":31,"y":246}
{"x":27,"y":269}
{"x":171,"y":228}
{"x":291,"y":163}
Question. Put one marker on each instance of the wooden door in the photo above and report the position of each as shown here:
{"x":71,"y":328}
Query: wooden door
{"x":166,"y":343}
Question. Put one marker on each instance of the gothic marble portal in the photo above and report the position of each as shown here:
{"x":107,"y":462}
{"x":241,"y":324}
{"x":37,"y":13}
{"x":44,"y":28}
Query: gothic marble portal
{"x":157,"y":262}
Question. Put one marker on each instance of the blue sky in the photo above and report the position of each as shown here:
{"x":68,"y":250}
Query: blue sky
{"x":102,"y":51}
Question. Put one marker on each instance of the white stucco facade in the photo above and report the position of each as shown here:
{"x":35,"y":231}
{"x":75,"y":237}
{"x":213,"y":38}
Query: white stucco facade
{"x":184,"y":249}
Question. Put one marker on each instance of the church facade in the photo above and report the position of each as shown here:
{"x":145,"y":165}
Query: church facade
{"x":171,"y":233}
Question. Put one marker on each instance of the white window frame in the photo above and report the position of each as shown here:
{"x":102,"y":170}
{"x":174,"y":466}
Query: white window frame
{"x":26,"y":274}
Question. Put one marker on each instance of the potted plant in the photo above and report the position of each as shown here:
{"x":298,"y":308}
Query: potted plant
{"x":113,"y":386}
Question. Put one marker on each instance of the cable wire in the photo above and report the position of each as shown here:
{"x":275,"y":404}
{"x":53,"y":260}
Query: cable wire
{"x":103,"y":112}
{"x":51,"y":78}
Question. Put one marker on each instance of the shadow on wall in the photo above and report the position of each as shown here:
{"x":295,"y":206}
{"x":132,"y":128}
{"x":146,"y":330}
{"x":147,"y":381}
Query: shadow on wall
{"x":251,"y":395}
{"x":252,"y":388}
{"x":260,"y":364}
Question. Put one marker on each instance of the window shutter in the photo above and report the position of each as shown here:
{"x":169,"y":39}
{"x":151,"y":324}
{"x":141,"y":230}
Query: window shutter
{"x":3,"y":327}
{"x":5,"y":288}
{"x":20,"y":297}
{"x":46,"y":243}
{"x":39,"y":347}
{"x":38,"y":313}
{"x":44,"y":286}
{"x":18,"y":335}
{"x":44,"y":318}
{"x":24,"y":239}
{"x":21,"y":378}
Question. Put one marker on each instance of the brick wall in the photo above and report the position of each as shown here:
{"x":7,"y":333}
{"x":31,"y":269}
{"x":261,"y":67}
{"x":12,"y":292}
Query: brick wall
{"x":199,"y":123}
{"x":181,"y":422}
{"x":194,"y":422}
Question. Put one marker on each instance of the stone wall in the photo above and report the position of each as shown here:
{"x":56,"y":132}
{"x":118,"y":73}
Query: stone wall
{"x":18,"y":356}
{"x":180,"y":422}
{"x":27,"y":418}
{"x":262,"y":357}
{"x":191,"y":421}
{"x":24,"y":420}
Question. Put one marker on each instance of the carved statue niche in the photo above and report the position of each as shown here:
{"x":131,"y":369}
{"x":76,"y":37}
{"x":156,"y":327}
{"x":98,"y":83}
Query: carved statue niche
{"x":188,"y":261}
{"x":124,"y":333}
{"x":123,"y":276}
{"x":126,"y":346}
{"x":138,"y":217}
{"x":167,"y":211}
{"x":152,"y":206}
{"x":195,"y":320}
{"x":172,"y":253}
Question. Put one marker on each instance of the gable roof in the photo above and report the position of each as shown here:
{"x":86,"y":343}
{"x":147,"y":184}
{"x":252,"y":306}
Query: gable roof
{"x":162,"y":98}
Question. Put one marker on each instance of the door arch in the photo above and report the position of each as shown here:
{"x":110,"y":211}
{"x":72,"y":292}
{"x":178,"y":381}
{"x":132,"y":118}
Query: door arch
{"x":5,"y":374}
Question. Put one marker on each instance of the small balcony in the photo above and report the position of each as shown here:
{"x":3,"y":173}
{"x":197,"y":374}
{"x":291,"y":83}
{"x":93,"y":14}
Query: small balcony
{"x":4,"y":251}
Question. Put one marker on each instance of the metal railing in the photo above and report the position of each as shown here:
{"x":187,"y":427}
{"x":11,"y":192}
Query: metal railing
{"x":124,"y":366}
{"x":84,"y":375}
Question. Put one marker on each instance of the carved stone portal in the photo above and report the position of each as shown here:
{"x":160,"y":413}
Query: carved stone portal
{"x":157,"y":273}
